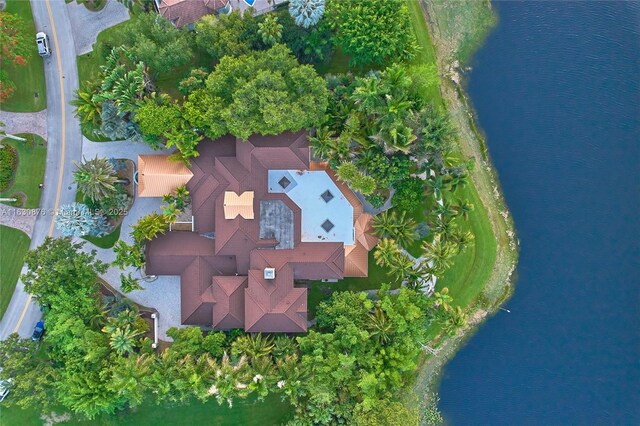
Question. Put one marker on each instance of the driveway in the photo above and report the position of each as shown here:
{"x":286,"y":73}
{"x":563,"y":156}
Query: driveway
{"x":87,"y":25}
{"x":64,"y":144}
{"x":162,"y":294}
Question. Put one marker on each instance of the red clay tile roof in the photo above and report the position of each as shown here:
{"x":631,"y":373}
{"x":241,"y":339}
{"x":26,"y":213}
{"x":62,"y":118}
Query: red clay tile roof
{"x":184,"y":12}
{"x":222,"y":281}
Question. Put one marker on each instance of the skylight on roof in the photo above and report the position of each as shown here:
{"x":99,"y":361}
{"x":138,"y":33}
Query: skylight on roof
{"x":327,"y":225}
{"x":284,"y":182}
{"x":327,"y":196}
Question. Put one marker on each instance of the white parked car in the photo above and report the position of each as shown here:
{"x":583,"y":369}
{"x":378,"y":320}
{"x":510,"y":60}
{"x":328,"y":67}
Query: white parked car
{"x":5,"y":388}
{"x":42,"y":40}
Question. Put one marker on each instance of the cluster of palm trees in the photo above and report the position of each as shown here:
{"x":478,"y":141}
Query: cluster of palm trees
{"x":121,"y":85}
{"x":124,"y":331}
{"x":451,"y":318}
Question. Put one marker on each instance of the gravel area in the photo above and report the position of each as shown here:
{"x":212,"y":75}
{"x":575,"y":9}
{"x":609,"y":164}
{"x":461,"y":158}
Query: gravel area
{"x":87,"y":25}
{"x":25,"y":122}
{"x":22,"y":219}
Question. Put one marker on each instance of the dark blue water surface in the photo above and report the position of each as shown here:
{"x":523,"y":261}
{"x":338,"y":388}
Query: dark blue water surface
{"x":557,"y":91}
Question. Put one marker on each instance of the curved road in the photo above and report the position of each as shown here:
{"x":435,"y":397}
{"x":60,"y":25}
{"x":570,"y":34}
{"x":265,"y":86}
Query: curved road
{"x":64,"y":145}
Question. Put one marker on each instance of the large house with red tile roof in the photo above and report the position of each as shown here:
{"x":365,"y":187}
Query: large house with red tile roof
{"x":264,"y":216}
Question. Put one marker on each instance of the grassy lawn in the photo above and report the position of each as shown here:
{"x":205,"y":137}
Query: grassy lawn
{"x":271,"y":411}
{"x":426,"y":56}
{"x":32,"y":156}
{"x":14,"y":244}
{"x":28,"y":79}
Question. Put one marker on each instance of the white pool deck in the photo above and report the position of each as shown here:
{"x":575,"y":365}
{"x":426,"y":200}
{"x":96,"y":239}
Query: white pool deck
{"x":306,"y":189}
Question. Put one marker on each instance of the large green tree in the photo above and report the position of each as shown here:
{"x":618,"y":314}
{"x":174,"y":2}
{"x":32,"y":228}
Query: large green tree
{"x":265,"y":92}
{"x":155,"y":41}
{"x":227,"y":35}
{"x":373,"y":31}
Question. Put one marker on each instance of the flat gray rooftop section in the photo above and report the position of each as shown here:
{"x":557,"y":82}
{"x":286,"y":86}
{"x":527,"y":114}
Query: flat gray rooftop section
{"x":306,"y":189}
{"x":276,"y":222}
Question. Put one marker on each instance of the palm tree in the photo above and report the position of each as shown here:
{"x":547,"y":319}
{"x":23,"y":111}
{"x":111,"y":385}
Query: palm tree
{"x":464,"y":208}
{"x":455,"y":320}
{"x":129,"y":377}
{"x":323,"y":143}
{"x":149,"y":226}
{"x":384,"y":224}
{"x":252,"y":346}
{"x":367,"y":95}
{"x":283,"y":346}
{"x":171,"y":212}
{"x":379,"y":326}
{"x":445,"y":226}
{"x":445,"y":209}
{"x":436,"y":184}
{"x":386,"y":252}
{"x":88,"y":106}
{"x":462,"y":239}
{"x":123,"y":340}
{"x":96,"y":178}
{"x":401,"y":266}
{"x":182,"y":197}
{"x":270,"y":30}
{"x":442,"y":299}
{"x":438,"y":253}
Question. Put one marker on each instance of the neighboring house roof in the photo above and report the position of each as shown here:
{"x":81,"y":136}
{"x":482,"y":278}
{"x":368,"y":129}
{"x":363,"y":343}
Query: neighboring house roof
{"x":222,"y":264}
{"x":158,"y":176}
{"x":185,"y":12}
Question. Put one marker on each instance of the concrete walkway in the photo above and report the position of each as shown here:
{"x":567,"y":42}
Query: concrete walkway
{"x":25,"y":122}
{"x":14,"y":217}
{"x":87,"y":25}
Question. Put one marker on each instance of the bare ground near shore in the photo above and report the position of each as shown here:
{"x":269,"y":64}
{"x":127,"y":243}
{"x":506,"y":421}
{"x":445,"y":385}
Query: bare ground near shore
{"x":449,"y":26}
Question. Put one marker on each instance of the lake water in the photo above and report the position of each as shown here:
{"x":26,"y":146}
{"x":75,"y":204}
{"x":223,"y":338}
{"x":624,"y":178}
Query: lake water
{"x":557,"y":92}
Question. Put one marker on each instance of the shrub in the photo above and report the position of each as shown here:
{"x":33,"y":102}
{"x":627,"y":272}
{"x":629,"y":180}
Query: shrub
{"x":408,"y":194}
{"x":8,"y":165}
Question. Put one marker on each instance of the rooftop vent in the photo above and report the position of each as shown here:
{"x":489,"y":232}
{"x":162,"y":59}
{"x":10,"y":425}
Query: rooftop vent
{"x":327,"y":196}
{"x":269,"y":273}
{"x":284,"y":182}
{"x":327,"y":225}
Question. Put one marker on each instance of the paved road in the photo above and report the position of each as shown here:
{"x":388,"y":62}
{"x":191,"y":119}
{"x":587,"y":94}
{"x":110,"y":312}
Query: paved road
{"x":64,"y":146}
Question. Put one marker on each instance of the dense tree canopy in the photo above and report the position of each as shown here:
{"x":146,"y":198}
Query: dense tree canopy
{"x":265,"y":92}
{"x":15,"y":43}
{"x":373,"y":30}
{"x":227,"y":35}
{"x":157,"y":42}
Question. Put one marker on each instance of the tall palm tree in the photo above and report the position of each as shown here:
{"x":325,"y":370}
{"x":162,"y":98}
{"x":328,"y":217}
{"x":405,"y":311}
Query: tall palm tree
{"x":384,"y":224}
{"x":401,"y":266}
{"x":283,"y":346}
{"x":252,"y":346}
{"x":445,"y":226}
{"x":367,"y":95}
{"x":462,"y":239}
{"x":464,"y":208}
{"x":386,"y":252}
{"x":323,"y":143}
{"x":129,"y":377}
{"x":438,"y":253}
{"x":123,"y":340}
{"x":88,"y":106}
{"x":445,"y":209}
{"x":454,"y":320}
{"x":401,"y":228}
{"x":436,"y":185}
{"x":95,"y":178}
{"x":442,"y":299}
{"x":379,"y":326}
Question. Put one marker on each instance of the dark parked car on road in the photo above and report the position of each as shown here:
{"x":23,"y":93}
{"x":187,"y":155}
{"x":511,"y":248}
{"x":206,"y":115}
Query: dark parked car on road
{"x":38,"y":331}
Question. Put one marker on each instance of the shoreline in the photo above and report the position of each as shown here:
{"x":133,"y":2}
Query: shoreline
{"x":472,"y":143}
